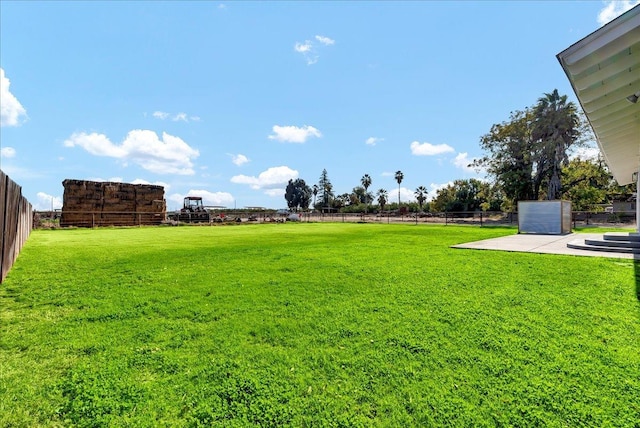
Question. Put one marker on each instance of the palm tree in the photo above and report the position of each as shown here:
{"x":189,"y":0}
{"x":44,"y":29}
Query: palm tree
{"x":383,"y":197}
{"x":421,"y":195}
{"x":366,"y":182}
{"x":399,"y":177}
{"x":556,"y":126}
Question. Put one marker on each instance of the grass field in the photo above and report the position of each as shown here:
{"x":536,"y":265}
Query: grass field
{"x":314,"y":325}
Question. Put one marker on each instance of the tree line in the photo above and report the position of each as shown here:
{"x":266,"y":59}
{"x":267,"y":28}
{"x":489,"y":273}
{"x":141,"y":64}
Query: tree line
{"x":527,"y":157}
{"x":321,"y":196}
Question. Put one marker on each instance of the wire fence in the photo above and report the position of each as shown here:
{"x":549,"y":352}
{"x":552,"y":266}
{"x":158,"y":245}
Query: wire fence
{"x":16,"y":220}
{"x":52,"y":219}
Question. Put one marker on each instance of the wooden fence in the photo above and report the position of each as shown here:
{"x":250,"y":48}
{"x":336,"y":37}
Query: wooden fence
{"x":16,"y":221}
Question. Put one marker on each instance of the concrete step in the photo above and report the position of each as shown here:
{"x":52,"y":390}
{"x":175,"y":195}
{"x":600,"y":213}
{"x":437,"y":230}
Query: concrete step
{"x":608,"y":243}
{"x":581,"y":244}
{"x":622,"y":236}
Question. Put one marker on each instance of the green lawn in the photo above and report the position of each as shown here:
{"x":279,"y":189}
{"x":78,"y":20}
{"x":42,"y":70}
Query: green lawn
{"x":314,"y":325}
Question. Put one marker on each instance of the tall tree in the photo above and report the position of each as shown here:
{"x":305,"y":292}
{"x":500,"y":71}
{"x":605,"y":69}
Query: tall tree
{"x":463,"y":196}
{"x":383,"y":197}
{"x":399,"y":177}
{"x":297,"y":194}
{"x":366,"y":182}
{"x":315,"y":193}
{"x":357,"y":196}
{"x":290,"y":195}
{"x":325,"y":189}
{"x":510,"y":159}
{"x":421,"y":195}
{"x":527,"y":152}
{"x":556,"y":127}
{"x":341,"y":200}
{"x":586,"y":183}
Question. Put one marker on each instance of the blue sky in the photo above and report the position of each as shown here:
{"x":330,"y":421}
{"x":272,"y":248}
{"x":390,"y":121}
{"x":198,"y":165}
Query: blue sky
{"x":231,"y":100}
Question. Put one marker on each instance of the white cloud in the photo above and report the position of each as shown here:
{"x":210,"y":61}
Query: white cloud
{"x":585,"y":153}
{"x":613,"y":9}
{"x":178,"y":117}
{"x":45,"y":201}
{"x":11,"y":111}
{"x":388,"y":174}
{"x":273,"y":178}
{"x":372,"y":141}
{"x":303,"y":47}
{"x":166,"y":186}
{"x":174,"y":201}
{"x":96,"y":144}
{"x":208,"y":198}
{"x":239,"y":159}
{"x":307,"y":51}
{"x":325,"y":40}
{"x":169,"y":155}
{"x":406,"y":195}
{"x":462,"y":161}
{"x":161,"y":115}
{"x":294,"y":134}
{"x":426,"y":149}
{"x":308,"y":48}
{"x":275,"y":193}
{"x":7,"y":152}
{"x":110,"y":180}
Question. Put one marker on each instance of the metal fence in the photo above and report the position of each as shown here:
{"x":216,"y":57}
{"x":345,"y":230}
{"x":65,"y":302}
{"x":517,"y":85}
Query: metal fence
{"x":16,"y":220}
{"x":470,"y":217}
{"x":50,"y":219}
{"x":477,"y":218}
{"x":105,"y":218}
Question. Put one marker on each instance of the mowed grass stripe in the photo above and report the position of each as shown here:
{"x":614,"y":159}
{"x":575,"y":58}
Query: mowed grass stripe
{"x":313,"y":325}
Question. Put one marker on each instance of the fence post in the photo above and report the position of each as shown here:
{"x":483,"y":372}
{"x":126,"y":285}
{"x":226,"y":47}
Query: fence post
{"x":480,"y":218}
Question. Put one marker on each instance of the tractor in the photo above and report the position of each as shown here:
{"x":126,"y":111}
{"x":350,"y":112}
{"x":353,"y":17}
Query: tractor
{"x":193,"y":211}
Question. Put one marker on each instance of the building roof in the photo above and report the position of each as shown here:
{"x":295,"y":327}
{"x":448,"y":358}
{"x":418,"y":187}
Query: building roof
{"x":604,"y":70}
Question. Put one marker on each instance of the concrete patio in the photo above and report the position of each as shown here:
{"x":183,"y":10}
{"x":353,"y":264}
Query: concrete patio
{"x":544,"y":244}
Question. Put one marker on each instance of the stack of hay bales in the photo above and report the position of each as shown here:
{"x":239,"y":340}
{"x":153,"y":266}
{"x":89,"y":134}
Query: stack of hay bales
{"x":82,"y":201}
{"x":119,"y":204}
{"x":91,"y":203}
{"x":150,"y":204}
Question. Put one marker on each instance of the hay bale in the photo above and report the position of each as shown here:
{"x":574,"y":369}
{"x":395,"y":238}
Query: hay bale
{"x":87,"y":203}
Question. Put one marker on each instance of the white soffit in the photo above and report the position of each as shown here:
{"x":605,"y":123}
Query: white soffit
{"x":604,"y":69}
